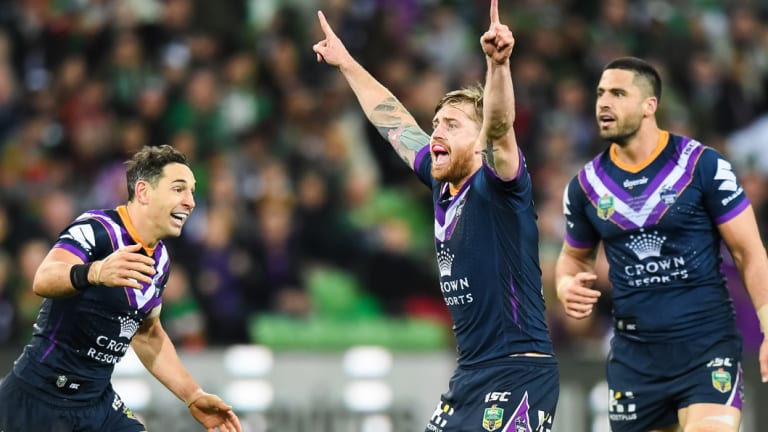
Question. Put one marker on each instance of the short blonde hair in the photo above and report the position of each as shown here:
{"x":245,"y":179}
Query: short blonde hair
{"x":472,"y":95}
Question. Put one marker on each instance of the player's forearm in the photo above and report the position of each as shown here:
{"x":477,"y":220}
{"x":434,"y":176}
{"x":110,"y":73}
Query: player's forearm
{"x":498,"y":101}
{"x":391,"y":119}
{"x":158,"y":355}
{"x":55,"y":279}
{"x":572,"y":262}
{"x":501,"y":152}
{"x":52,"y":280}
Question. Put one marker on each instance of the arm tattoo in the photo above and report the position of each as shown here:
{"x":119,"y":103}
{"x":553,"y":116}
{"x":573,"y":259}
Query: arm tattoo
{"x":488,"y":154}
{"x":406,"y":139}
{"x":497,"y":130}
{"x":387,"y":115}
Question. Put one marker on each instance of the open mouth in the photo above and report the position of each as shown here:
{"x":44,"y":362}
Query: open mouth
{"x":440,"y":153}
{"x":606,"y":120}
{"x":180,"y":216}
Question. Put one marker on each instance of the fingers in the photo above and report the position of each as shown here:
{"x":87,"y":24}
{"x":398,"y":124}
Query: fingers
{"x":234,"y":422}
{"x":578,"y":297}
{"x":126,"y":267}
{"x":494,"y":11}
{"x":327,"y":30}
{"x":320,"y":47}
{"x":229,"y":423}
{"x":585,"y":278}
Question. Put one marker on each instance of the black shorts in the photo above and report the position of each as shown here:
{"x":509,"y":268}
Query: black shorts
{"x":515,"y":394}
{"x":650,"y":382}
{"x":23,"y":411}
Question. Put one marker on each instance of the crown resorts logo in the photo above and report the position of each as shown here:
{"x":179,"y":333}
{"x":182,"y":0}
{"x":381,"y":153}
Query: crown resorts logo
{"x":445,"y":260}
{"x":646,"y":245}
{"x":128,"y":327}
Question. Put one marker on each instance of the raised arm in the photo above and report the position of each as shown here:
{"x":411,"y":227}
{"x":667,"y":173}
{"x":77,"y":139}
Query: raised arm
{"x":742,"y":237}
{"x":498,"y":136}
{"x":382,"y":108}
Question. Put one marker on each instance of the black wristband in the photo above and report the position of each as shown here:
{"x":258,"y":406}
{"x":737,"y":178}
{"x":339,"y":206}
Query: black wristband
{"x":78,"y":276}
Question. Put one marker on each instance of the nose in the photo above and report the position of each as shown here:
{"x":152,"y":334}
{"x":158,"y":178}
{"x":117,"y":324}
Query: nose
{"x":189,"y":200}
{"x":602,"y":101}
{"x":438,"y":132}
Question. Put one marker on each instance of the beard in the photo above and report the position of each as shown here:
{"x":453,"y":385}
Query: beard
{"x":459,"y":168}
{"x":622,"y":131}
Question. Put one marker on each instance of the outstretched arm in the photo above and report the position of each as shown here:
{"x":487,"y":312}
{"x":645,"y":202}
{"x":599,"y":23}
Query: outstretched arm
{"x":742,"y":237}
{"x":382,"y":108}
{"x":157,"y":353}
{"x":499,"y":144}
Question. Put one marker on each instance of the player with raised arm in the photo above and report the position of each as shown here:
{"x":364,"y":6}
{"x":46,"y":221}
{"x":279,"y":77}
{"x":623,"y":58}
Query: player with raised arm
{"x":486,"y":239}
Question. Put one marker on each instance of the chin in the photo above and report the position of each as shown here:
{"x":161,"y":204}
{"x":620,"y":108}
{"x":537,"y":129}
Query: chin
{"x":439,"y":174}
{"x":174,"y":232}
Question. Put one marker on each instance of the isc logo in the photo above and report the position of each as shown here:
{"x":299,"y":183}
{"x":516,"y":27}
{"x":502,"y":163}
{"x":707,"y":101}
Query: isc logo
{"x":497,"y":396}
{"x":720,"y":362}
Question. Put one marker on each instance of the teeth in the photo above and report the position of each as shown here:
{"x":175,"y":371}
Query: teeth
{"x":182,"y":216}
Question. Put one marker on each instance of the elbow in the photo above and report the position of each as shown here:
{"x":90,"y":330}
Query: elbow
{"x":39,"y":289}
{"x":41,"y":285}
{"x":498,"y":129}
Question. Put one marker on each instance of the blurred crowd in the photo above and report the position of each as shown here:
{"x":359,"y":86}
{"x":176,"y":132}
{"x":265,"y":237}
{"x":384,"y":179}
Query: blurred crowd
{"x":291,"y":178}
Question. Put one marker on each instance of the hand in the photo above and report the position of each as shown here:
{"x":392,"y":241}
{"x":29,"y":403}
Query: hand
{"x":210,"y":411}
{"x":498,"y":41}
{"x":577,"y":295}
{"x":125,"y":267}
{"x":331,"y":49}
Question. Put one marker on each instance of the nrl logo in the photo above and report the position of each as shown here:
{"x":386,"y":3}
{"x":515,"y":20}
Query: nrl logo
{"x":605,"y":207}
{"x":721,"y":380}
{"x":492,"y":418}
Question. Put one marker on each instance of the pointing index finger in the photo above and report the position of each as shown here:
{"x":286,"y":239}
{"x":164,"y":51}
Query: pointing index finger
{"x":494,"y":11}
{"x":324,"y":24}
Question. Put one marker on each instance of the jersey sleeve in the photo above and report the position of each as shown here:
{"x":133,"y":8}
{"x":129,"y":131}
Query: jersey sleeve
{"x":723,"y":195}
{"x":422,"y":165}
{"x":87,"y":238}
{"x":516,"y":192}
{"x":579,"y":232}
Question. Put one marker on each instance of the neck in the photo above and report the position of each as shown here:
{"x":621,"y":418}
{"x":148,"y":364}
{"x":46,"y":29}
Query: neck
{"x":140,"y":223}
{"x":640,"y":147}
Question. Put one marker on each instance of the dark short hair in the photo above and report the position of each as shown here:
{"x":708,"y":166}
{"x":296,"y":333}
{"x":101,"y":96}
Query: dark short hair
{"x":148,"y":163}
{"x":472,"y":95}
{"x":642,"y":69}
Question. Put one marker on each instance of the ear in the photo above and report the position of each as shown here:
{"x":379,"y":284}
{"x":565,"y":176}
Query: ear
{"x":651,"y":105}
{"x":142,"y":191}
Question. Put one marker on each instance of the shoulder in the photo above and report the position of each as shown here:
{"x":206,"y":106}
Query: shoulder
{"x":90,"y":232}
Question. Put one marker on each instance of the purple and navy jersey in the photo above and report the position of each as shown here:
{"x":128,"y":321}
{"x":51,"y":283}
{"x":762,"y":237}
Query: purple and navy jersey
{"x":487,"y":245}
{"x":659,"y":227}
{"x":78,"y":340}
